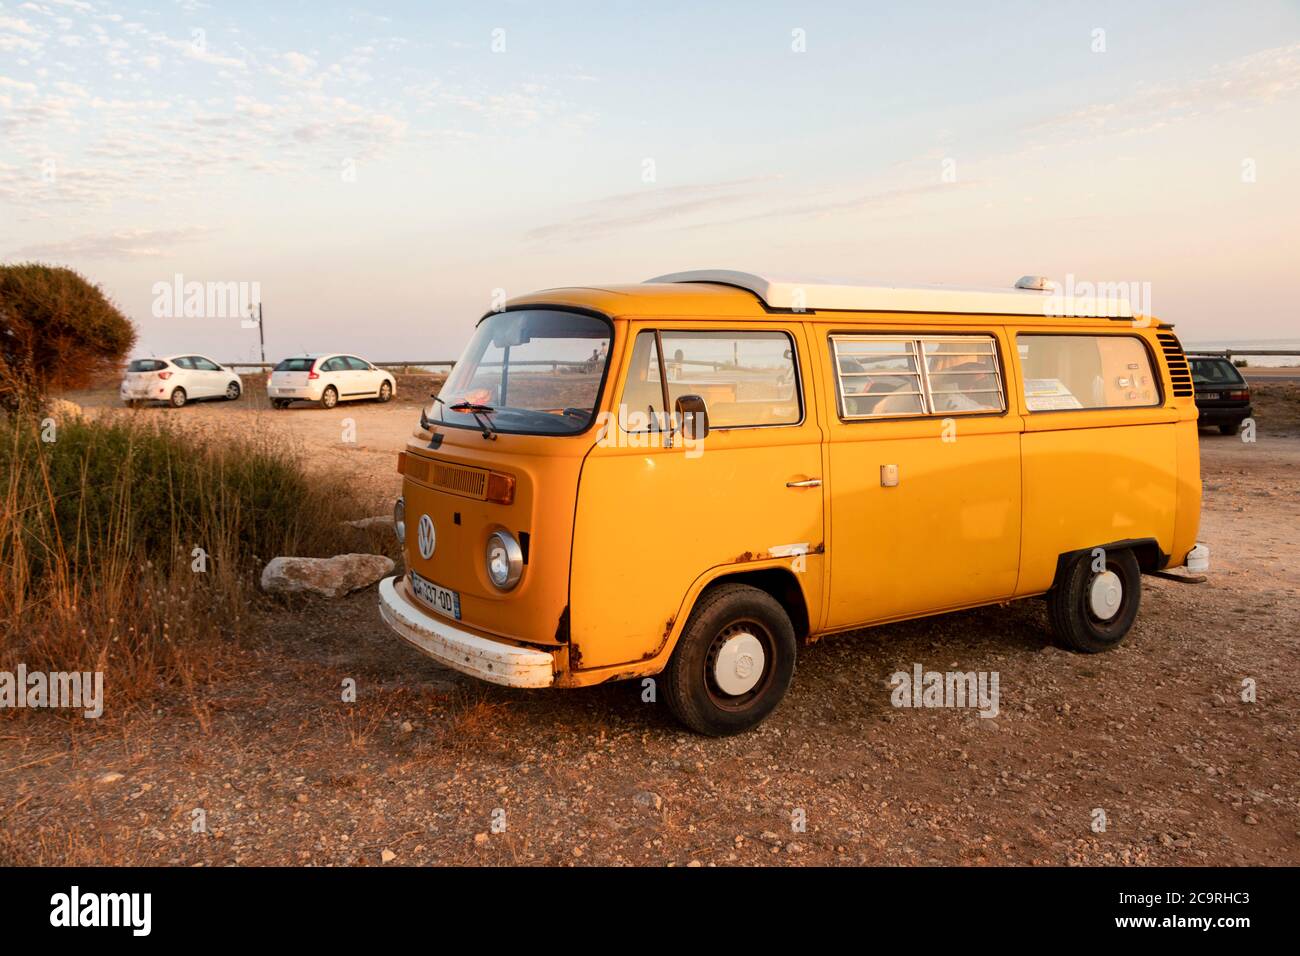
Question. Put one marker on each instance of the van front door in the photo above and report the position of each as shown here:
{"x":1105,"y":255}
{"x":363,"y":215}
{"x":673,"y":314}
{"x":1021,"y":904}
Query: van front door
{"x":657,"y":514}
{"x":924,"y":474}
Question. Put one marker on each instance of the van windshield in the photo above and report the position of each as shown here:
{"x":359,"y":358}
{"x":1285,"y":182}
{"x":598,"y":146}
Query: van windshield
{"x":528,"y":372}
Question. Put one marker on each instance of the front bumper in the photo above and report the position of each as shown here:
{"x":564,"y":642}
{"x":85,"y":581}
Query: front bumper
{"x":494,"y":661}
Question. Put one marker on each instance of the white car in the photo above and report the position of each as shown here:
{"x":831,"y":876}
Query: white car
{"x":328,"y":379}
{"x":178,"y":379}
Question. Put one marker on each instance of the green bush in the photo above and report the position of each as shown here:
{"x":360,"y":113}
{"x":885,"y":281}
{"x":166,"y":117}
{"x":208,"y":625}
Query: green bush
{"x":97,"y":533}
{"x":146,"y":492}
{"x":57,"y":331}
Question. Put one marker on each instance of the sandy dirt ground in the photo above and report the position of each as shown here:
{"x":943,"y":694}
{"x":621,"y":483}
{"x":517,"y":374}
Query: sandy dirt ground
{"x":427,"y":767}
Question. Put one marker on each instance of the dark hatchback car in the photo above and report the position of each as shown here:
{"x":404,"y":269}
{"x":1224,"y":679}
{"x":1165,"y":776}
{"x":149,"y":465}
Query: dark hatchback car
{"x":1222,"y":395}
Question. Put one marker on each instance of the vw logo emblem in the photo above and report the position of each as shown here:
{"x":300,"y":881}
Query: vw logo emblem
{"x":428,"y":539}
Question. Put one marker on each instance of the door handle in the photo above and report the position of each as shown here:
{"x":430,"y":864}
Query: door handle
{"x":806,"y":483}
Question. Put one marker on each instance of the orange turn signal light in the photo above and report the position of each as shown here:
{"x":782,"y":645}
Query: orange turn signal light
{"x":500,"y":488}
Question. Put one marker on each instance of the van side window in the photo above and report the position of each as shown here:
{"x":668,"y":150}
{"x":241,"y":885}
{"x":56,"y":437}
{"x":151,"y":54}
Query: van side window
{"x":643,"y":394}
{"x":746,"y":379}
{"x":1086,"y":371}
{"x":898,"y":376}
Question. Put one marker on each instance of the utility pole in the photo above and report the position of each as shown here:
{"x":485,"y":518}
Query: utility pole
{"x":261,"y":335}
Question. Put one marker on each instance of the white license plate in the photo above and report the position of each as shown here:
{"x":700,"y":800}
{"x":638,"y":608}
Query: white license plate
{"x":1212,"y":396}
{"x":443,"y":600}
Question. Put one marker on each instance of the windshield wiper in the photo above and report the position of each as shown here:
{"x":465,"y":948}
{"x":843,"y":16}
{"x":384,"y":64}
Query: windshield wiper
{"x":480,"y":413}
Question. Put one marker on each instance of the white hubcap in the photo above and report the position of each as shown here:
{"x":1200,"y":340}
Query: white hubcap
{"x":1105,"y":595}
{"x":739,"y":664}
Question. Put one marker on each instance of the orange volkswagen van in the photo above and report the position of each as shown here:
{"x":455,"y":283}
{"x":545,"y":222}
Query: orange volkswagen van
{"x":690,"y":477}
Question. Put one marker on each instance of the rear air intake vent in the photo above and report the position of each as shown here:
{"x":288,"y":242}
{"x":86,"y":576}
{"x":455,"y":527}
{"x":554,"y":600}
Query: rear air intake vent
{"x":1179,"y":373}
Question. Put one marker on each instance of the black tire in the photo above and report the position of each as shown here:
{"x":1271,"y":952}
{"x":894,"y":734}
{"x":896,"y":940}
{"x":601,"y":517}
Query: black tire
{"x":386,"y":391}
{"x":233,"y":391}
{"x":280,"y":403}
{"x":1230,"y":428}
{"x":178,"y":397}
{"x":131,"y":403}
{"x":1069,"y":604}
{"x":330,"y":397}
{"x":690,"y":687}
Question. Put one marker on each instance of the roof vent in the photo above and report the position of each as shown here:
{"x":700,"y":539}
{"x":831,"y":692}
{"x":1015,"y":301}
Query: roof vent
{"x":1036,"y":283}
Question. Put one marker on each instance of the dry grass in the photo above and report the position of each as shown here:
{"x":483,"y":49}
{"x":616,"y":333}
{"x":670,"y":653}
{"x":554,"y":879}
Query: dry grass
{"x":133,"y":549}
{"x":1277,"y":406}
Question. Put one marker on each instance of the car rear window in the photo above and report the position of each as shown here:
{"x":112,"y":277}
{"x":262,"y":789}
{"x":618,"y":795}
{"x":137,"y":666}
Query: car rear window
{"x":1214,"y":372}
{"x":146,"y":365}
{"x":295,"y":365}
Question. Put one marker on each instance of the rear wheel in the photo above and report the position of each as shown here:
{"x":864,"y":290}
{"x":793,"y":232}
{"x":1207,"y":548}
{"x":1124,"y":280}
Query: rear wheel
{"x":178,"y":397}
{"x":1230,"y":428}
{"x":1091,"y":610}
{"x":280,"y":403}
{"x":330,"y":397}
{"x":733,"y":663}
{"x":232,"y":391}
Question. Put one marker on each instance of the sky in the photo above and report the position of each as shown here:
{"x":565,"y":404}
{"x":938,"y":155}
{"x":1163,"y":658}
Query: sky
{"x":384,"y":172}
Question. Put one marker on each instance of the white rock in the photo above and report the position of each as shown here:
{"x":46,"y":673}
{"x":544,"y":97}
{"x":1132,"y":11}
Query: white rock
{"x":388,"y":856}
{"x":110,"y":777}
{"x":329,"y":577}
{"x":377,"y":521}
{"x":648,"y":798}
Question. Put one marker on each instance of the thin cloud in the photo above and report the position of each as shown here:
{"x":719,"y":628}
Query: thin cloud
{"x":1253,"y":80}
{"x":124,"y":244}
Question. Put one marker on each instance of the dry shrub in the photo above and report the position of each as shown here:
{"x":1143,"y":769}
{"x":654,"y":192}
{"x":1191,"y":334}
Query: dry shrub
{"x":98,"y":536}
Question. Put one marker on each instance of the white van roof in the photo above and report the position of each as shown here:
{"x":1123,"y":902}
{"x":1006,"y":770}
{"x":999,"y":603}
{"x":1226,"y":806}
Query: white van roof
{"x":1031,"y":296}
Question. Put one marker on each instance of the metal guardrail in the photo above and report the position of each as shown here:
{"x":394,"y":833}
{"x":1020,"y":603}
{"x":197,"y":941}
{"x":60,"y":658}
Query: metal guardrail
{"x":404,"y":366}
{"x":552,"y":364}
{"x":1229,"y":353}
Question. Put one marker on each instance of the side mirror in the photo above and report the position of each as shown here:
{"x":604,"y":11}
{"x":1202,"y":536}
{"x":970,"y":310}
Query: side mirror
{"x":693,"y":415}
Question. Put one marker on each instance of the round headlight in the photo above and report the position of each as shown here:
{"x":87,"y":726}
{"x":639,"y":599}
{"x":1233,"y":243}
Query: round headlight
{"x":505,"y":560}
{"x":399,"y":520}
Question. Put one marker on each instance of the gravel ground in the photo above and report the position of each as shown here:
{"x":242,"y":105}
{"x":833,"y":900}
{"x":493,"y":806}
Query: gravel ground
{"x":428,"y":767}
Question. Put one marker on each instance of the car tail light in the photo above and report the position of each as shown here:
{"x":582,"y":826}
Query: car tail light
{"x":311,"y":376}
{"x":500,"y":488}
{"x":164,"y":375}
{"x":1241,"y":395}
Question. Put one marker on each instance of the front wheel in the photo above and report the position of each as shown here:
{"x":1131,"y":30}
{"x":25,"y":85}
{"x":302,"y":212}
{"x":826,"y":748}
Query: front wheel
{"x":386,"y":391}
{"x":1095,"y":601}
{"x":733,"y":663}
{"x":329,"y":398}
{"x":232,"y":391}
